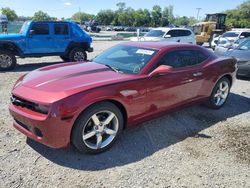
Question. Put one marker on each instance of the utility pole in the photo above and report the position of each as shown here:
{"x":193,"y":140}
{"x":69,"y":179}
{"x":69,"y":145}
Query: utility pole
{"x":198,"y":13}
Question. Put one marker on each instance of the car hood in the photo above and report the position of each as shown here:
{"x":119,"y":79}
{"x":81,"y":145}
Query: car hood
{"x":55,"y":82}
{"x":10,"y":36}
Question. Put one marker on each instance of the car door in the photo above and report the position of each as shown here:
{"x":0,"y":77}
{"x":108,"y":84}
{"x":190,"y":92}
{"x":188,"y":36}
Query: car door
{"x":186,"y":36}
{"x":61,"y":35}
{"x":40,"y":40}
{"x":183,"y":85}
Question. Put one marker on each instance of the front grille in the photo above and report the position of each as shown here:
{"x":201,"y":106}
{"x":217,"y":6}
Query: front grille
{"x":17,"y":101}
{"x":22,"y":103}
{"x":22,"y":125}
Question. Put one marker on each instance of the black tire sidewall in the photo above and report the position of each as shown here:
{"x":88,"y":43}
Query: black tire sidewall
{"x":76,"y":136}
{"x":211,"y":102}
{"x":73,"y":51}
{"x":13,"y":59}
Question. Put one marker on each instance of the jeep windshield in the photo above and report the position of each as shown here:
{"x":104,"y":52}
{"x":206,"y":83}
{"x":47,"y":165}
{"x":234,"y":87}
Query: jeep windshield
{"x":155,"y":33}
{"x":126,"y":59}
{"x":25,"y":27}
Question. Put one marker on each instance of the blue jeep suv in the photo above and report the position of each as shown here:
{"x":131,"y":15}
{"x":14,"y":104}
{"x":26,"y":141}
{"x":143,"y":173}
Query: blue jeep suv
{"x":43,"y":38}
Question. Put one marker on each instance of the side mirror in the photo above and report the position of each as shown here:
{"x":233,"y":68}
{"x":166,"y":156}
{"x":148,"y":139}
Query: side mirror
{"x":32,"y":32}
{"x":168,"y":36}
{"x":161,"y":70}
{"x":242,"y":37}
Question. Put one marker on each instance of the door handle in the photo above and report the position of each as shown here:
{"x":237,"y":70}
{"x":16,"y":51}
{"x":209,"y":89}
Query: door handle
{"x":178,"y":41}
{"x":197,"y":74}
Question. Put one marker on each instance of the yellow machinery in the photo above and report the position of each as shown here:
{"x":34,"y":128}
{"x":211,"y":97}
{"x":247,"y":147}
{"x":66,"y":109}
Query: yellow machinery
{"x":213,"y":25}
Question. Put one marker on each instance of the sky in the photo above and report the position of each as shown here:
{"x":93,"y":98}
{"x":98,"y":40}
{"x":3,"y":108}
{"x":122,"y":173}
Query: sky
{"x":66,"y":8}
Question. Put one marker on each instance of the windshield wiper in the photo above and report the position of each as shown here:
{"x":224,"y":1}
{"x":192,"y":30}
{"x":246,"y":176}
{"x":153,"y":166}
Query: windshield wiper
{"x":112,"y":68}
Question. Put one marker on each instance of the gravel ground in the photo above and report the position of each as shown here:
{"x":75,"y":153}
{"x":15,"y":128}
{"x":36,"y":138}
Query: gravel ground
{"x":195,"y":147}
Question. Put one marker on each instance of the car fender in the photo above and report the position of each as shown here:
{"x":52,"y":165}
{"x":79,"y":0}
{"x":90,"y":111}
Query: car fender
{"x":72,"y":44}
{"x":11,"y":46}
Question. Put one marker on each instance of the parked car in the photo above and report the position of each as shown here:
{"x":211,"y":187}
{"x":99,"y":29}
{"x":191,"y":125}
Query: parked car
{"x":130,"y":29}
{"x":168,"y":34}
{"x":231,"y":37}
{"x":118,"y":28}
{"x":89,"y":104}
{"x":37,"y":39}
{"x":223,"y":45}
{"x":242,"y":54}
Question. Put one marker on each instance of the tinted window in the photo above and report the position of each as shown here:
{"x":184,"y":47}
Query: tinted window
{"x":173,"y":33}
{"x":245,"y":34}
{"x":40,"y":29}
{"x":245,"y":45}
{"x":61,"y":29}
{"x":230,"y":34}
{"x":183,"y":58}
{"x":184,"y":33}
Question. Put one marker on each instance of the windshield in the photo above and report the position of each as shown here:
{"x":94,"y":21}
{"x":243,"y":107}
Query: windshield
{"x":25,"y":27}
{"x":230,"y":34}
{"x":155,"y":33}
{"x":126,"y":59}
{"x":245,"y":45}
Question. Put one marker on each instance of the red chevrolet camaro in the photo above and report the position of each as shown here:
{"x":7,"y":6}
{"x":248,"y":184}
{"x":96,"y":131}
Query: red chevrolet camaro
{"x":89,"y":104}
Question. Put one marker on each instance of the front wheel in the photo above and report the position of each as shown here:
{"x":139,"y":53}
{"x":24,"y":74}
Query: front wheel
{"x":97,"y":128}
{"x":77,"y":54}
{"x":220,"y":94}
{"x":7,"y":60}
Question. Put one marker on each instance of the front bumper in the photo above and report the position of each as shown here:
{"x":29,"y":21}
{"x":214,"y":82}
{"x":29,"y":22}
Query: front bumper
{"x":46,"y":129}
{"x":244,"y":70}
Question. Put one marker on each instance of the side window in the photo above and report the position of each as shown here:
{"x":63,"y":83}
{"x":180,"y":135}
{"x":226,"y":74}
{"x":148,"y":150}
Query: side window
{"x":245,"y":34}
{"x":40,"y":29}
{"x":183,"y":58}
{"x":173,"y":33}
{"x":61,"y":29}
{"x":183,"y":33}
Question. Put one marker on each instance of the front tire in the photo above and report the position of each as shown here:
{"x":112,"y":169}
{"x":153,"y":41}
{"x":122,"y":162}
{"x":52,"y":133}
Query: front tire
{"x":7,"y":60}
{"x":220,"y":94}
{"x":97,"y":128}
{"x":77,"y":55}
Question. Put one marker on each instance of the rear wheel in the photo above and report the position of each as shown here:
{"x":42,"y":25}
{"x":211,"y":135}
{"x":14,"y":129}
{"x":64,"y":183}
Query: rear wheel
{"x":220,"y":94}
{"x":77,"y":54}
{"x":7,"y":60}
{"x":97,"y":128}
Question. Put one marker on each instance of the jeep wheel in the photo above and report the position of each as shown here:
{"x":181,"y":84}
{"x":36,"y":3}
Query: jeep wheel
{"x":77,"y":54}
{"x":7,"y":60}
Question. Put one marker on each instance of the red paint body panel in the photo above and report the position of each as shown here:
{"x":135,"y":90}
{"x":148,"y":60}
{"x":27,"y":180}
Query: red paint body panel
{"x":69,"y":89}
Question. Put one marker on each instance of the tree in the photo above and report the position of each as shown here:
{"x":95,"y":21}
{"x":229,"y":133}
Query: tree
{"x":156,"y":16}
{"x":82,"y":17}
{"x":121,"y":6}
{"x":239,"y":17}
{"x":167,"y":16}
{"x":105,"y":17}
{"x":42,"y":16}
{"x":11,"y":14}
{"x":126,"y":17}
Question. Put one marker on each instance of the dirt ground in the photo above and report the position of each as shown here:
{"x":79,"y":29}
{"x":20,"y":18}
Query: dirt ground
{"x":195,"y":147}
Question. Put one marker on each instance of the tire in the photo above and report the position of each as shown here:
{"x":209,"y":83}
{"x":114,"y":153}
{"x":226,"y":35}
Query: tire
{"x":91,"y":125}
{"x":65,"y":58}
{"x":219,"y":94}
{"x":77,"y":54}
{"x":7,"y":60}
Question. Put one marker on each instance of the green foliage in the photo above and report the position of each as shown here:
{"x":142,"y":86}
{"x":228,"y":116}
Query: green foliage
{"x":184,"y":20}
{"x":11,"y":14}
{"x":42,"y":16}
{"x":239,"y":17}
{"x":82,"y":17}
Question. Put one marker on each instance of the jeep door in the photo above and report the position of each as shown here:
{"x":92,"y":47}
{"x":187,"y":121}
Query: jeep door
{"x":39,"y":39}
{"x":61,"y":35}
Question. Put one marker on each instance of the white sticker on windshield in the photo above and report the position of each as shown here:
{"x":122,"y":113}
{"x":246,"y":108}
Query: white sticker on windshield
{"x":145,"y":52}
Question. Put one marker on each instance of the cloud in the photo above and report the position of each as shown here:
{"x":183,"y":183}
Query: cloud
{"x":68,"y":3}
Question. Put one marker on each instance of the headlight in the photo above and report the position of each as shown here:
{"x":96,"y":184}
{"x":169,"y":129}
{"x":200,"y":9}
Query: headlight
{"x":41,"y":108}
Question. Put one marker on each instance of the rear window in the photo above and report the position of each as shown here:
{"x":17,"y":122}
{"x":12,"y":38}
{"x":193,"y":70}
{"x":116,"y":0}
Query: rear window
{"x":61,"y":29}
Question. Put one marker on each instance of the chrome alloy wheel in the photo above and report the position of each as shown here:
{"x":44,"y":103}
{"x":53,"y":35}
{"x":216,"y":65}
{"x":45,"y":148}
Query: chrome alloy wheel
{"x":79,"y":56}
{"x":5,"y":61}
{"x":221,"y":94}
{"x":100,"y":130}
